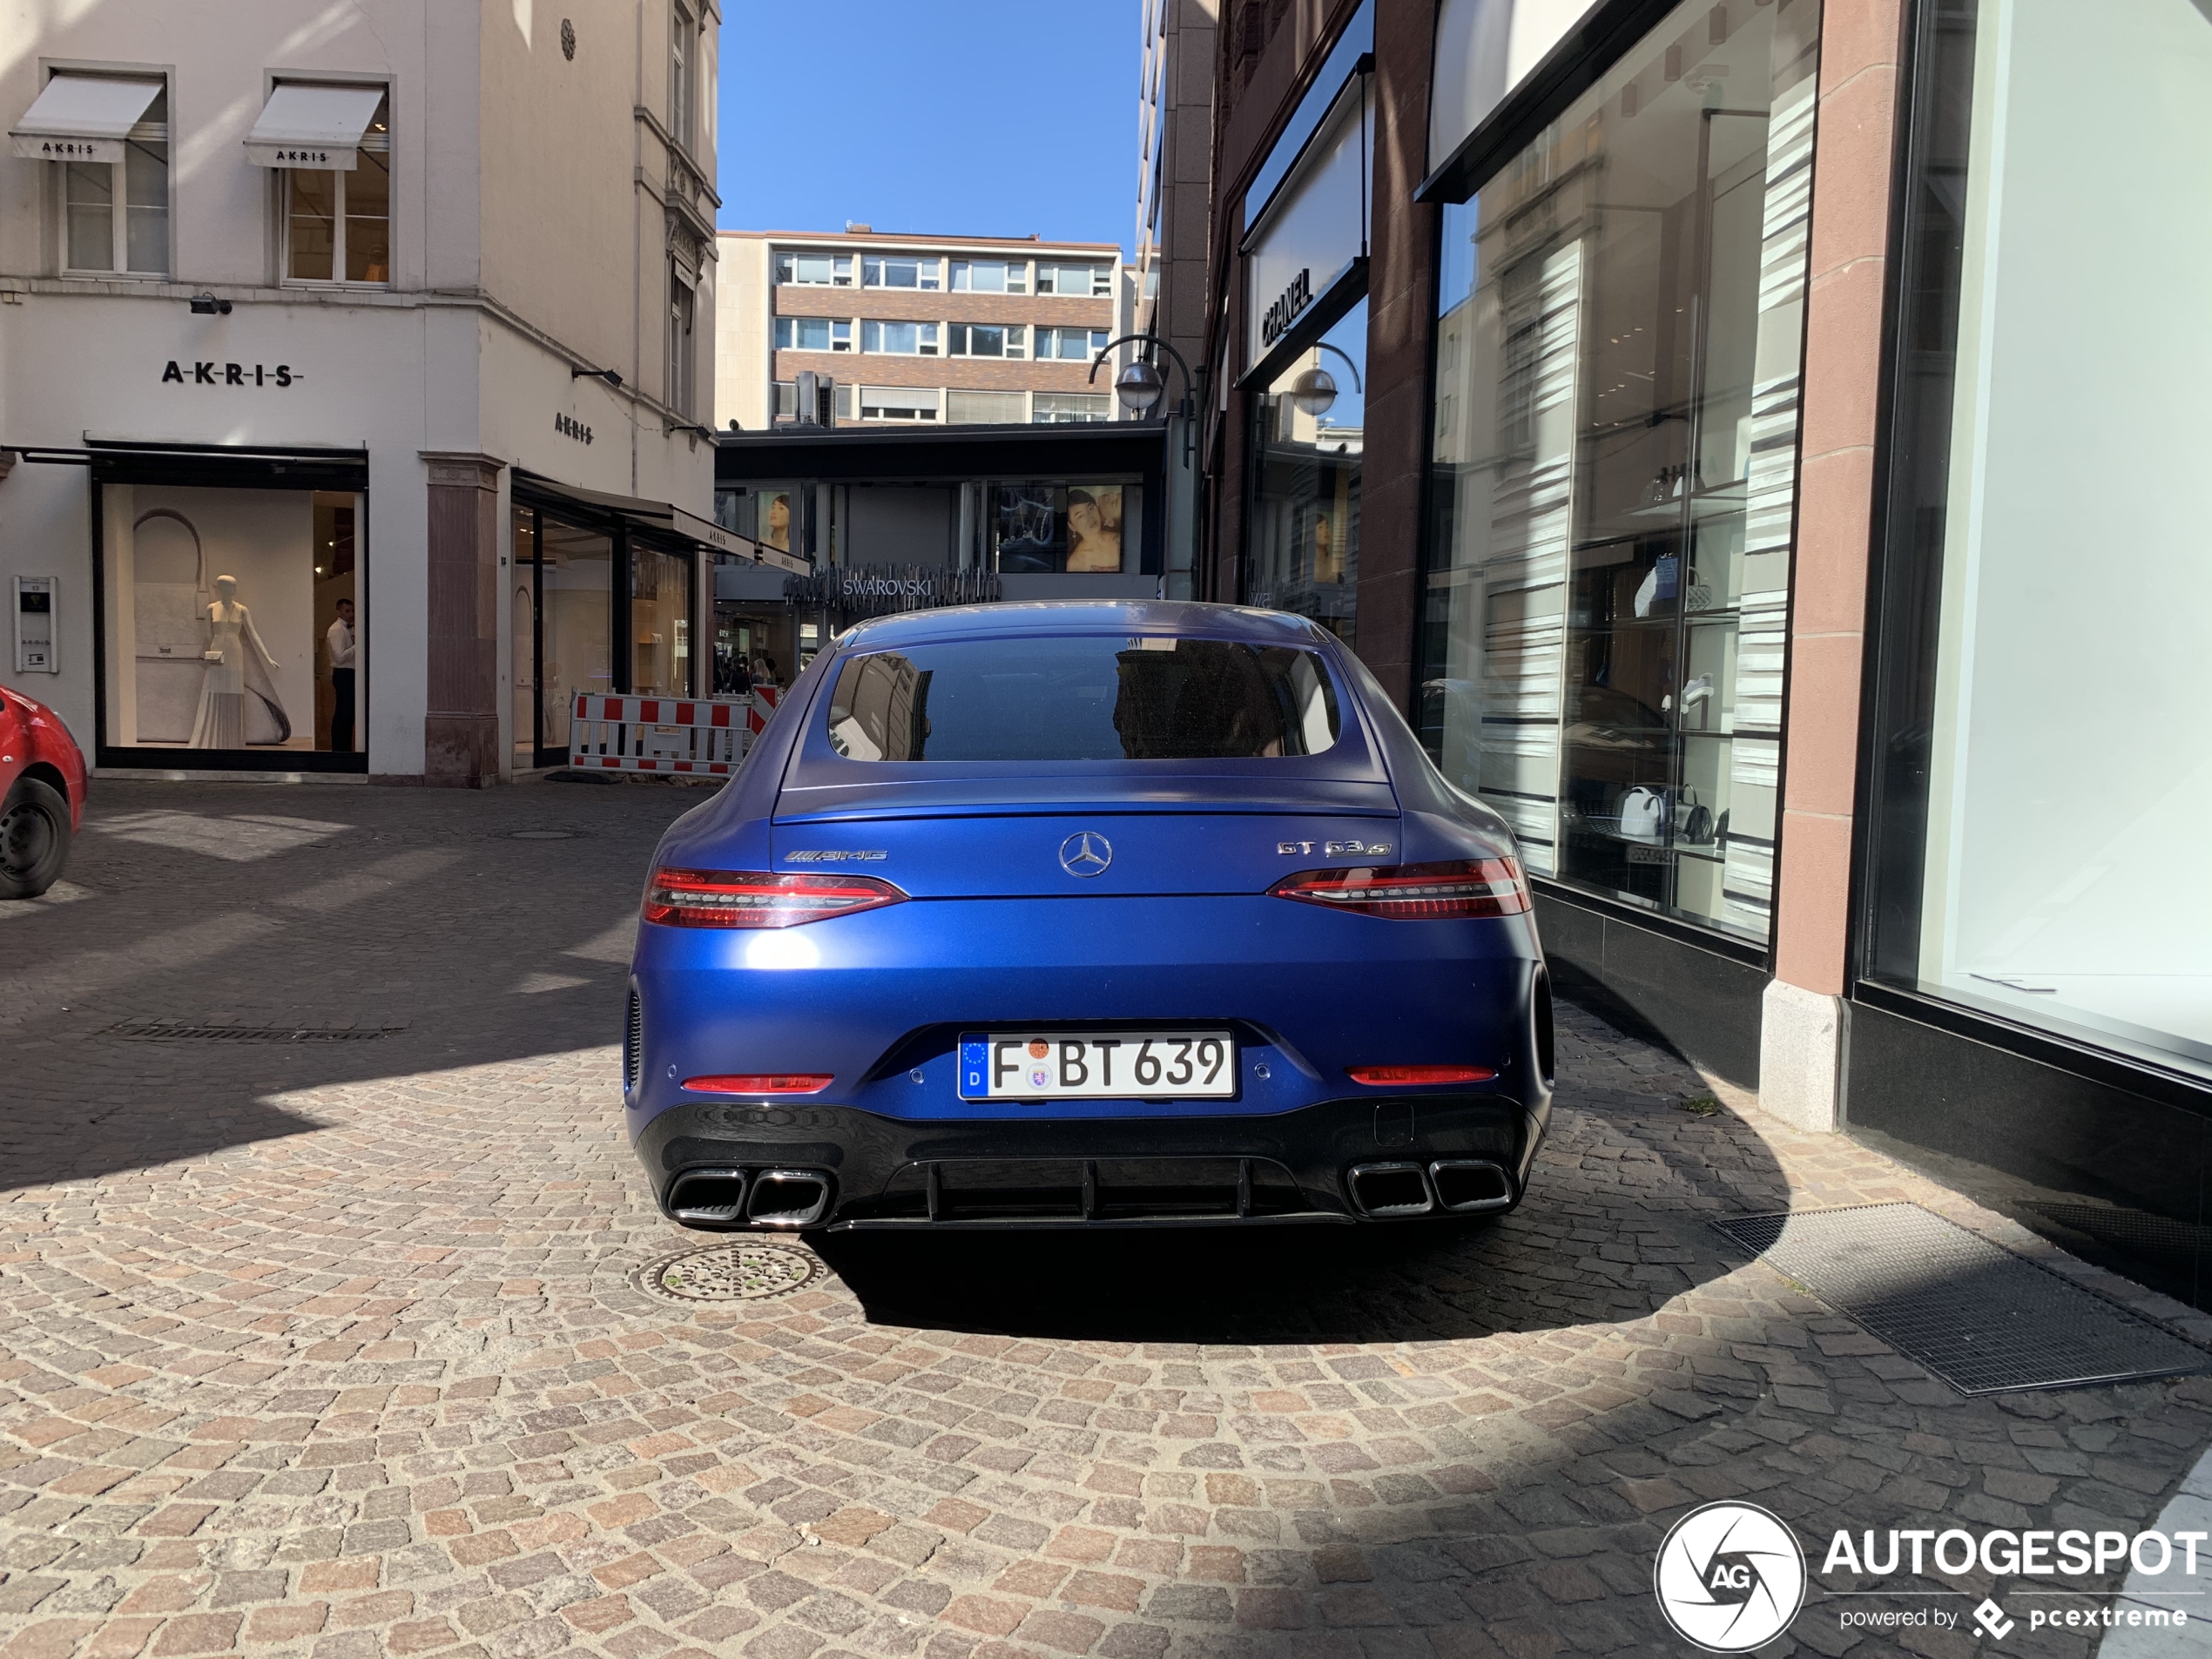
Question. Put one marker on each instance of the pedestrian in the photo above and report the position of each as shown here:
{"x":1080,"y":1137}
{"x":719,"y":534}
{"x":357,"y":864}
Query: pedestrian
{"x":342,"y":649}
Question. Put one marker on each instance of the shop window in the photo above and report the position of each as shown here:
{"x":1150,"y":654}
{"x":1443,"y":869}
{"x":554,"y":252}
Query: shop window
{"x":338,"y":222}
{"x":1086,"y":281}
{"x":1303,"y":537}
{"x":986,"y":408}
{"x":815,"y":270}
{"x":116,"y":214}
{"x":990,"y":276}
{"x":899,"y":339}
{"x":1618,"y":346}
{"x":1085,"y":527}
{"x":900,"y":271}
{"x":986,"y":339}
{"x":575,"y":576}
{"x":814,"y":333}
{"x":660,"y":623}
{"x":1072,"y":408}
{"x":235,"y":619}
{"x":2038,"y":782}
{"x":898,"y":403}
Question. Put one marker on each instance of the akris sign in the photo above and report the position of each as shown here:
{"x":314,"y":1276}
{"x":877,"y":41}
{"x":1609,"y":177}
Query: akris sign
{"x":229,"y":375}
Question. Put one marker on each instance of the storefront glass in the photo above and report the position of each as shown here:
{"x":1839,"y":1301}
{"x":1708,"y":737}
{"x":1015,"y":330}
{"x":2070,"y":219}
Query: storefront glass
{"x":576,"y":588}
{"x":1086,"y":526}
{"x":2040,"y":780}
{"x":1302,"y":539}
{"x":1615,"y":440}
{"x":234,"y":619}
{"x":660,"y":623}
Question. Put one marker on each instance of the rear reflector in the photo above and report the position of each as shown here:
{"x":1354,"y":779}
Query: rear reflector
{"x":757,"y":898}
{"x":785,"y":1082}
{"x":1417,"y":1077}
{"x":1454,"y":889}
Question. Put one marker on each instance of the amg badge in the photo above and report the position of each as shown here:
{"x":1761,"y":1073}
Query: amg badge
{"x":835,"y":856}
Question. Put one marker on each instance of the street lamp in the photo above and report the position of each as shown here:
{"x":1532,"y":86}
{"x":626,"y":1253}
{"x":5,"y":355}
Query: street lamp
{"x":1139,"y":387}
{"x":1315,"y":389}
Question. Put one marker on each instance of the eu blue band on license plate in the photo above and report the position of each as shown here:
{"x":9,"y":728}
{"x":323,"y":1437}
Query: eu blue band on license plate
{"x":1099,"y":1065}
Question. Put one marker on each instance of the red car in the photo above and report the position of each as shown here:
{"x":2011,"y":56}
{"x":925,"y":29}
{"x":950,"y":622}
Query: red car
{"x":42,"y":795}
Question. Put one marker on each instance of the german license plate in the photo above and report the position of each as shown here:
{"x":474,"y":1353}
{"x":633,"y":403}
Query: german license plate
{"x":1091,"y":1065}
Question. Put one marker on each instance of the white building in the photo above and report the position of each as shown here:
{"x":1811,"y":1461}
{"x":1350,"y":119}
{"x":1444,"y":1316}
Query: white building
{"x":404,"y":303}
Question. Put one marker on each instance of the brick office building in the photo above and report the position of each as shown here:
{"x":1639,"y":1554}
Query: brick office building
{"x":1756,"y":461}
{"x":917,"y":329}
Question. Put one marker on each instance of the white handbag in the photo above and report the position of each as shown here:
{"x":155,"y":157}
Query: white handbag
{"x":1643,"y":814}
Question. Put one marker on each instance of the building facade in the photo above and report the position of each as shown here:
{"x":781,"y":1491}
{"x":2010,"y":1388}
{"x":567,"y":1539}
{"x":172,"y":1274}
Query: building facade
{"x":1175,"y":172}
{"x":916,"y":330}
{"x":1701,"y":418}
{"x":355,"y":378}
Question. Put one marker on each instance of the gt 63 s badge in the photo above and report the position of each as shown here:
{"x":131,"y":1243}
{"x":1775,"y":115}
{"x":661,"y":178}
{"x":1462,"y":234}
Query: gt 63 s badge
{"x":1730,"y":1577}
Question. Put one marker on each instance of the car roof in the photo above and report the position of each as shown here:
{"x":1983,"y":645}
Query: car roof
{"x":1014,"y":619}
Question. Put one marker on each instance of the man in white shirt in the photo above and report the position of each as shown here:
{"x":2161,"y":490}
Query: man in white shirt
{"x":341,"y":639}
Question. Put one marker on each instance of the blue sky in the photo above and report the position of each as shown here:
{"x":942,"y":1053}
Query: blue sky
{"x":963,"y":117}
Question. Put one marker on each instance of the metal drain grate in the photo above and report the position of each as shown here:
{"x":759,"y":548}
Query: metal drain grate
{"x":742,"y":1272}
{"x":1983,"y":1319}
{"x":184,"y":1031}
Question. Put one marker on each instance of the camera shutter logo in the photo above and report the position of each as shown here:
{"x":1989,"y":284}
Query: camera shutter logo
{"x":1730,"y":1577}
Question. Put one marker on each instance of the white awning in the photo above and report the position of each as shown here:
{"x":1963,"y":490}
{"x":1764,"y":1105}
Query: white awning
{"x":81,"y":117}
{"x":313,"y":126}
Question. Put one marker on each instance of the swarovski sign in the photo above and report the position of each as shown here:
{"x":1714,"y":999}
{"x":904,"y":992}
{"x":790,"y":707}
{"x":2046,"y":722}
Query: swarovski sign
{"x":880,"y":589}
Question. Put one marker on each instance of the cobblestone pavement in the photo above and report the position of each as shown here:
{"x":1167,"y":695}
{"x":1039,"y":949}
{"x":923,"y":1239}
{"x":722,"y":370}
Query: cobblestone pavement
{"x":331,"y":1347}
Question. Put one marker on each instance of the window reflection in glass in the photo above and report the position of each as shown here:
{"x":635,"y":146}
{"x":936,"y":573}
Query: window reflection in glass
{"x":1302,"y":543}
{"x":660,"y":614}
{"x":1620,"y":331}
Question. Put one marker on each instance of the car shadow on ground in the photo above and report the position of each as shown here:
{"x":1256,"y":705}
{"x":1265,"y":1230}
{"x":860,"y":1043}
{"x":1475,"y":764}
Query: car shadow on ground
{"x":1613,"y":1228}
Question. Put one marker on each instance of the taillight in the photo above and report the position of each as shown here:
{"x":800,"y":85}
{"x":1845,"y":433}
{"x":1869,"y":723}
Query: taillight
{"x":756,"y":899}
{"x":1450,"y":890}
{"x":781,"y":1082}
{"x":1417,"y":1077}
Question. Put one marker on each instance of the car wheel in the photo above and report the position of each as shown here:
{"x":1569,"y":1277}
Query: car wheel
{"x":34,"y":839}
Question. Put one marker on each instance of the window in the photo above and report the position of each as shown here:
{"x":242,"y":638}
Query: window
{"x":338,"y":223}
{"x":681,"y":354}
{"x":787,"y":402}
{"x":1607,"y":596}
{"x":990,"y":276}
{"x":1073,"y":345}
{"x":682,"y":34}
{"x":986,"y":339}
{"x":1072,"y":408}
{"x":985,"y":408}
{"x":1083,"y":698}
{"x":235,"y":617}
{"x":900,"y":271}
{"x":1039,"y":527}
{"x":815,"y":270}
{"x":814,"y":333}
{"x":898,"y":403}
{"x":899,"y":339}
{"x":1085,"y":281}
{"x":117,"y":213}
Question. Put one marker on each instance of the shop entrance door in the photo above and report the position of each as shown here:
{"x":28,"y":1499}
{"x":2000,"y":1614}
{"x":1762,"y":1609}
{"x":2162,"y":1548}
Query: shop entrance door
{"x":562,"y":595}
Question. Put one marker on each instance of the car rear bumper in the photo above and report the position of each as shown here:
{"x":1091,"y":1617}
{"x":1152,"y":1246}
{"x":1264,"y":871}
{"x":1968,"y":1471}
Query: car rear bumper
{"x":738,"y":1166}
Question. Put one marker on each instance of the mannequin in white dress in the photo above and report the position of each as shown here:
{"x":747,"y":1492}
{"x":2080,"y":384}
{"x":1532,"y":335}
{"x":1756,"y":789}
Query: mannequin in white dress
{"x":234,"y":650}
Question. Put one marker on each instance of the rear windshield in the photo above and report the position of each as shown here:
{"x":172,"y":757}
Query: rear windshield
{"x":1083,"y":697}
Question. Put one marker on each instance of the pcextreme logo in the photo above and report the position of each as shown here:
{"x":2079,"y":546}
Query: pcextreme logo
{"x":1730,"y":1577}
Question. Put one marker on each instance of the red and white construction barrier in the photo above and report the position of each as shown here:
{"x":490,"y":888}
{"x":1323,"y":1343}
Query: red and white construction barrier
{"x":705,"y":735}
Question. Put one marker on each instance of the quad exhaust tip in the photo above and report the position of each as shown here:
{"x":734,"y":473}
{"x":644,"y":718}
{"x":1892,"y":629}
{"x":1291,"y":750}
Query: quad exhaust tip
{"x":785,"y":1199}
{"x":1456,"y":1186}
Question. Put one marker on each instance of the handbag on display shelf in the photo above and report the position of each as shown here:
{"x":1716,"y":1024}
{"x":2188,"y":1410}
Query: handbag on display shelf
{"x":1665,"y":815}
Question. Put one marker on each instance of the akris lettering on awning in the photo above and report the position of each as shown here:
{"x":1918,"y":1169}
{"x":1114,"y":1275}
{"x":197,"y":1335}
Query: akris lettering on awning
{"x":1287,"y":307}
{"x":230,"y":374}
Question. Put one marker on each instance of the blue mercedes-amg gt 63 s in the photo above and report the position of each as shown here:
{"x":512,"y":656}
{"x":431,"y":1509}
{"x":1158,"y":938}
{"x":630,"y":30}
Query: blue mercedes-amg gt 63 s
{"x":1086,"y":915}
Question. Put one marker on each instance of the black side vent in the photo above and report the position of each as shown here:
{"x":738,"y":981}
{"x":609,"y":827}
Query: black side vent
{"x":633,"y":1045}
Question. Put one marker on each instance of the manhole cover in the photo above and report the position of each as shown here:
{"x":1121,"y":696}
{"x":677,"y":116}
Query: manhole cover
{"x":740,"y":1272}
{"x":540,"y":835}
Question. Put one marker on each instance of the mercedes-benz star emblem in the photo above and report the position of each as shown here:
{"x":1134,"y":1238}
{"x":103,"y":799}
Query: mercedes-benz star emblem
{"x":1086,"y":852}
